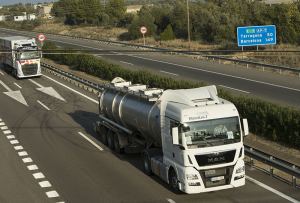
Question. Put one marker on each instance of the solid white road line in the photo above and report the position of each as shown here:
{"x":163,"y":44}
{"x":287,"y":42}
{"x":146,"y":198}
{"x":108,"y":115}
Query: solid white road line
{"x":74,"y":44}
{"x":4,"y":128}
{"x":69,"y":88}
{"x":2,"y":123}
{"x":14,"y":142}
{"x":272,"y":190}
{"x":27,"y":160}
{"x":44,"y":184}
{"x":91,"y":141}
{"x":32,"y":167}
{"x":1,"y":73}
{"x":6,"y":132}
{"x":37,"y":84}
{"x":19,"y":147}
{"x":17,"y":85}
{"x":234,"y":89}
{"x":23,"y":153}
{"x":43,"y":105}
{"x":38,"y":175}
{"x":127,"y":63}
{"x":168,"y":73}
{"x":10,"y":137}
{"x":5,"y":86}
{"x":171,"y":201}
{"x":52,"y":194}
{"x":223,"y":74}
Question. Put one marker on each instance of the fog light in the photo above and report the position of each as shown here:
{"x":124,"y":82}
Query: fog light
{"x":239,"y":177}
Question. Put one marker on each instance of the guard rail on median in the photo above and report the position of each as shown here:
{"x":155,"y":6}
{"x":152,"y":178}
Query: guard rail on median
{"x":253,"y":153}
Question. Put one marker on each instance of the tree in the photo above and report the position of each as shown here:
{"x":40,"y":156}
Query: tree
{"x":116,"y":10}
{"x":167,"y":34}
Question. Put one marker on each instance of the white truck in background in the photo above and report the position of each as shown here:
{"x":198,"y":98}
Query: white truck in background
{"x":190,"y":138}
{"x":20,"y":56}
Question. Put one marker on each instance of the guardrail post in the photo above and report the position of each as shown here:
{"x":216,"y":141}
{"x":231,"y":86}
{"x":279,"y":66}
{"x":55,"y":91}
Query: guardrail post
{"x":251,"y":159}
{"x":247,"y":65}
{"x":280,"y":71}
{"x":263,"y":68}
{"x":271,"y":167}
{"x":294,"y":179}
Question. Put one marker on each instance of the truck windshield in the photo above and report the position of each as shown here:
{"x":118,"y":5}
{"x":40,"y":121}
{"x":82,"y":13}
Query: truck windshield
{"x":211,"y":132}
{"x":30,"y":55}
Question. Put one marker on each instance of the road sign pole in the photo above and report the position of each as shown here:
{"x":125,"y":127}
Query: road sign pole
{"x":144,"y":39}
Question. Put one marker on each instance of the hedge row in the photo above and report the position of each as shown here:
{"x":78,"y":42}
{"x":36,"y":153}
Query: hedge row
{"x":274,"y":122}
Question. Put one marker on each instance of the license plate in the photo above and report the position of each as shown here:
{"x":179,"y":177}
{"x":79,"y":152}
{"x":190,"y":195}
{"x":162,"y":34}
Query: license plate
{"x":210,"y":172}
{"x":213,"y":179}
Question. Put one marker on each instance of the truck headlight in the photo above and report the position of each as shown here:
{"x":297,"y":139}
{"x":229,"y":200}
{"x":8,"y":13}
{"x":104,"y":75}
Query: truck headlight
{"x":191,"y":177}
{"x":240,"y":170}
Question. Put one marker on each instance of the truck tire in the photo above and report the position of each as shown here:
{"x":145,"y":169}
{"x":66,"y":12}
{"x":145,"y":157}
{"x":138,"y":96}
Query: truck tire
{"x":110,"y":139}
{"x":147,"y":163}
{"x":173,"y":180}
{"x":103,"y":134}
{"x":117,"y":146}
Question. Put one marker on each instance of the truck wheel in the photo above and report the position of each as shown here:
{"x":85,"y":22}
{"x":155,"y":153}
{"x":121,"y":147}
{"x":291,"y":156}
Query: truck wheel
{"x":103,"y":134}
{"x":147,"y":163}
{"x":117,"y":147}
{"x":110,"y":139}
{"x":173,"y":180}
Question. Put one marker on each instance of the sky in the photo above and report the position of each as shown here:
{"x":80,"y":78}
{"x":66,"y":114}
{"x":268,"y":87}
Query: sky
{"x":9,"y":2}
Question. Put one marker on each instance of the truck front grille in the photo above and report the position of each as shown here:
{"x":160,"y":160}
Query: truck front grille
{"x":29,"y":69}
{"x":215,"y":158}
{"x":216,"y":177}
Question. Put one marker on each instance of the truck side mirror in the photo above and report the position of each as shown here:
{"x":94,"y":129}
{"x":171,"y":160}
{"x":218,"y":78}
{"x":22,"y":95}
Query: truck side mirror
{"x":175,"y":136}
{"x":246,"y":127}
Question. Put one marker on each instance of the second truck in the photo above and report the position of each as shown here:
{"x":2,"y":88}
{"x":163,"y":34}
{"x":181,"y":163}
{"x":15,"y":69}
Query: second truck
{"x":20,"y":56}
{"x":190,"y":138}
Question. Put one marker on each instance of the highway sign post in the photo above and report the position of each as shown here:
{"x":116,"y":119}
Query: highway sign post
{"x":256,"y":35}
{"x":143,"y":30}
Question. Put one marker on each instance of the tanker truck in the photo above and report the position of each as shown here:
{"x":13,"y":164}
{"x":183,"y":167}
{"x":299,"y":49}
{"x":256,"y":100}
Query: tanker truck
{"x":190,"y":138}
{"x":20,"y":56}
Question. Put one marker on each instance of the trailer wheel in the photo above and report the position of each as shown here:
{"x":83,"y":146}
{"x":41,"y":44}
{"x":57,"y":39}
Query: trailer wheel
{"x":103,"y":134}
{"x":147,"y":163}
{"x":117,"y":146}
{"x":110,"y":139}
{"x":173,"y":180}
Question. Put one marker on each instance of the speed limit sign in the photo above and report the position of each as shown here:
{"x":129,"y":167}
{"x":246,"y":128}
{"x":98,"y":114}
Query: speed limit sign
{"x":41,"y":37}
{"x":143,"y":30}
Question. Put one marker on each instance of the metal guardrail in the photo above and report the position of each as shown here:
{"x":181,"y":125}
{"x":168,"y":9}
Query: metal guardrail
{"x":247,"y":62}
{"x":274,"y":162}
{"x":253,"y":153}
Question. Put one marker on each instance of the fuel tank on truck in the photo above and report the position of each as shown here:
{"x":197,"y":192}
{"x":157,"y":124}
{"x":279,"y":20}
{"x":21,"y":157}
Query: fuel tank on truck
{"x":134,"y":107}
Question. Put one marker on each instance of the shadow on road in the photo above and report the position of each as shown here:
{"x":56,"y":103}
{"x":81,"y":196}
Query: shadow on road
{"x":87,"y":120}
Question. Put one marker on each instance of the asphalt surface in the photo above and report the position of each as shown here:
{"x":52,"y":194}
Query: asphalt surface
{"x":78,"y":171}
{"x":281,"y":89}
{"x":45,"y":158}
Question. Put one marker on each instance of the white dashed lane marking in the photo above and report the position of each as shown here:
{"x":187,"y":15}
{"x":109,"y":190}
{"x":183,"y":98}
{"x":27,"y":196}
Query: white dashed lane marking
{"x":23,"y":153}
{"x":32,"y":167}
{"x":2,"y":124}
{"x":4,"y":128}
{"x":6,"y":132}
{"x":43,"y":105}
{"x":27,"y":160}
{"x":52,"y":194}
{"x":44,"y":184}
{"x":17,"y":85}
{"x":19,"y":147}
{"x":38,"y":175}
{"x":90,"y":141}
{"x":14,"y":142}
{"x":10,"y":137}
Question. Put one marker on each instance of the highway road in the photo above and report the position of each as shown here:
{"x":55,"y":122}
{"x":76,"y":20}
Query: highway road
{"x":272,"y":87}
{"x":49,"y":152}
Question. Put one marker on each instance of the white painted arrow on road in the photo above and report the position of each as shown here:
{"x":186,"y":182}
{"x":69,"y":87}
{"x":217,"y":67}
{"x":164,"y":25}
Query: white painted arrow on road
{"x":16,"y":95}
{"x":48,"y":90}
